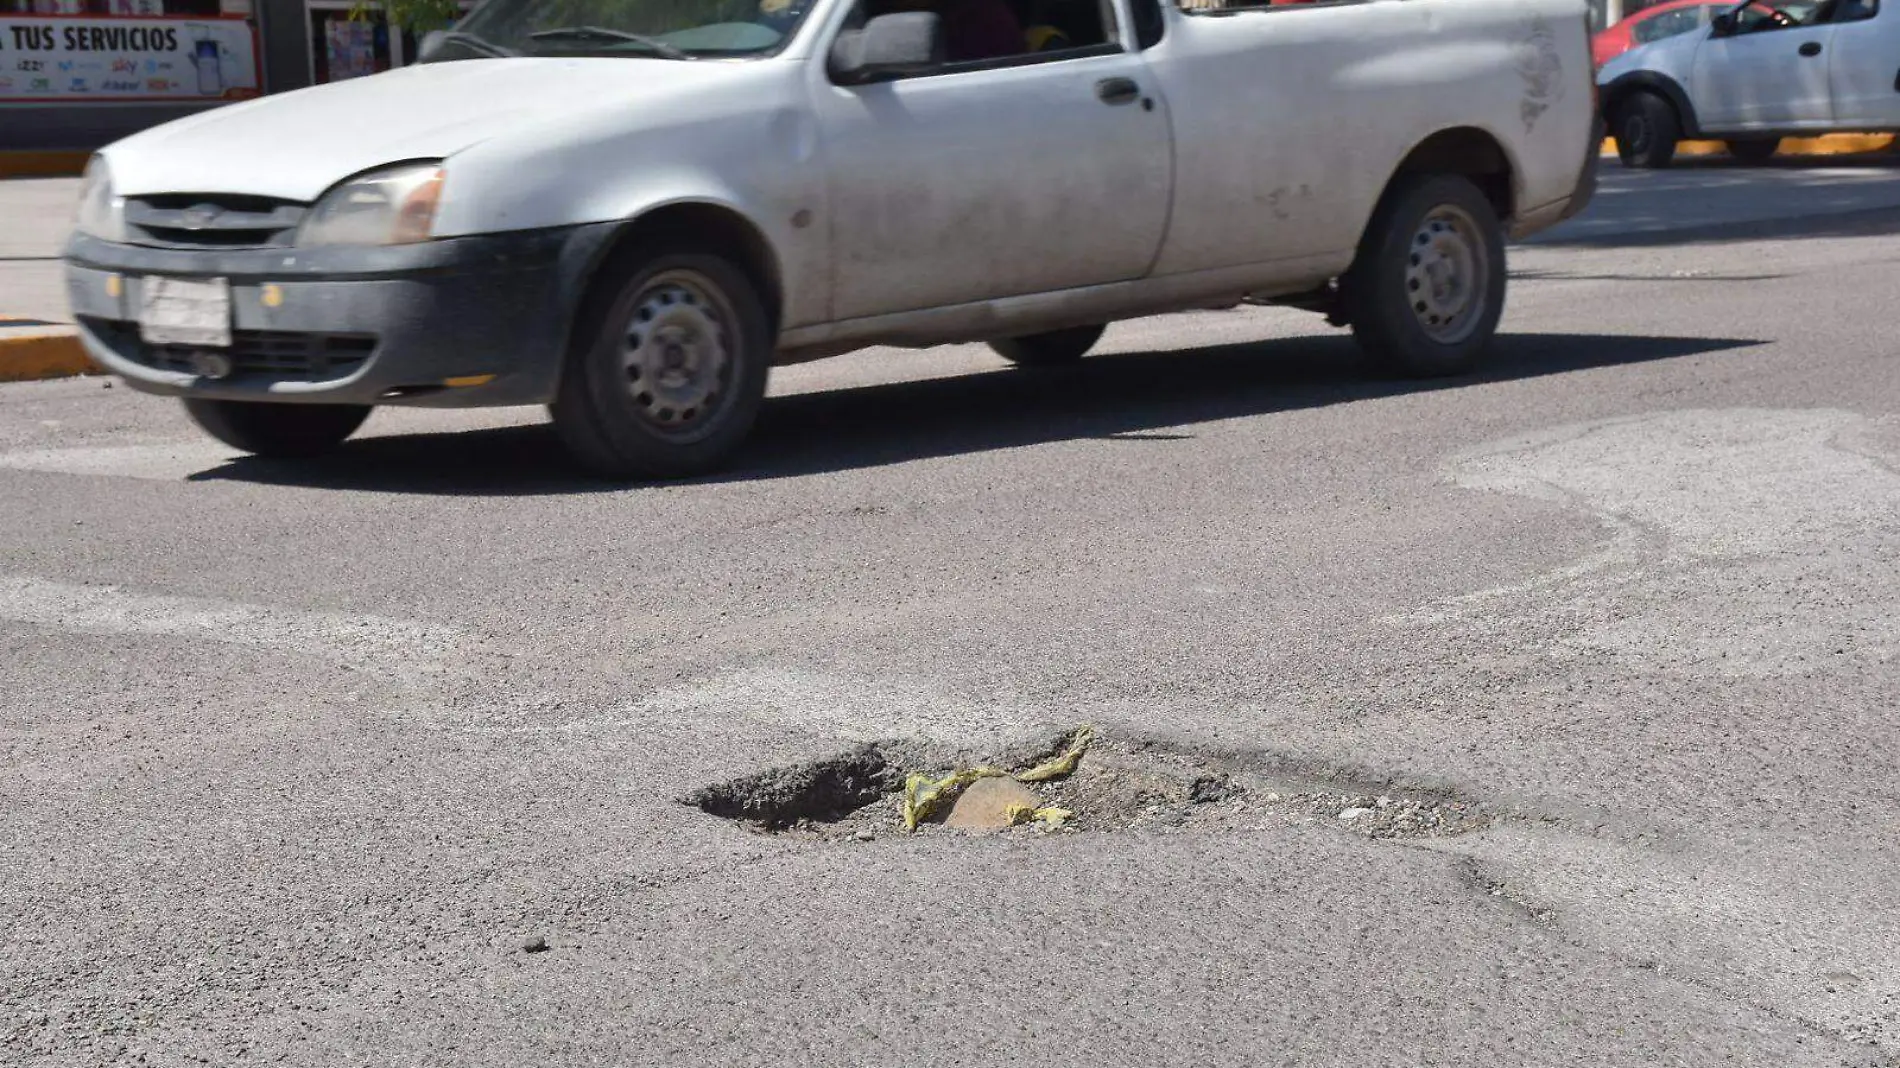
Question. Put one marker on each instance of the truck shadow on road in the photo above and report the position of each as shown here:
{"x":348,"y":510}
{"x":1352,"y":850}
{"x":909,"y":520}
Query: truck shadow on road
{"x":1149,"y":399}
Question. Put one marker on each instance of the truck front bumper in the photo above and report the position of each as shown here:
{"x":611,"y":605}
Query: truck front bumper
{"x":458,"y":322}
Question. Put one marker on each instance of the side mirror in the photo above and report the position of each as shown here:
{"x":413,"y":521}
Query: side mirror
{"x":1723,"y":25}
{"x":430,"y":42}
{"x":888,"y":46}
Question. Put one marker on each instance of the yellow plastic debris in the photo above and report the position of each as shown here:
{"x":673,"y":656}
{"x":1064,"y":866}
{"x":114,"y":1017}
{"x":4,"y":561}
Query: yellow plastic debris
{"x":1062,"y":766}
{"x":925,"y":795}
{"x":1048,"y":815}
{"x":1053,"y":816}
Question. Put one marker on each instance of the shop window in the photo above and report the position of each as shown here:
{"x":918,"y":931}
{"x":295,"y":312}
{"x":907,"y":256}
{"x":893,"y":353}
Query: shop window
{"x":342,"y":47}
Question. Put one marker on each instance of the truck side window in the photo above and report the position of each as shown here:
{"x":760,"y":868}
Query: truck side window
{"x":1667,"y":24}
{"x":1856,"y":10}
{"x":1221,"y":7}
{"x":1771,"y":15}
{"x":1150,"y":24}
{"x":1008,"y":32}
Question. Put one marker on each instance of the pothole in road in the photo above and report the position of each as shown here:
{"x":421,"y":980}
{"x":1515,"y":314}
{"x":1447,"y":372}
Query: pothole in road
{"x":1119,"y":785}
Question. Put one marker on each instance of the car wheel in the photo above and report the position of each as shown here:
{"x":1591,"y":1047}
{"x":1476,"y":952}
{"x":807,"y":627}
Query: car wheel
{"x":1053,"y":349}
{"x":281,"y":431}
{"x":1427,"y":288}
{"x":668,"y":370}
{"x":1647,"y":130}
{"x":1756,"y":151}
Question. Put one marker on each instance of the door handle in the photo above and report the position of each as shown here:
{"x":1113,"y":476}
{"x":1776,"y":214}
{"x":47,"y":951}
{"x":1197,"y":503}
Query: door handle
{"x":1117,"y":90}
{"x":1812,"y":48}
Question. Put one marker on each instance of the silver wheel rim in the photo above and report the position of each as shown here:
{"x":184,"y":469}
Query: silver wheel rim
{"x":676,"y":350}
{"x":1448,"y":274}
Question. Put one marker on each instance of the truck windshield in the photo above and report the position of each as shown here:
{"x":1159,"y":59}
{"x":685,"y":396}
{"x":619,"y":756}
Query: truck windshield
{"x":636,"y":29}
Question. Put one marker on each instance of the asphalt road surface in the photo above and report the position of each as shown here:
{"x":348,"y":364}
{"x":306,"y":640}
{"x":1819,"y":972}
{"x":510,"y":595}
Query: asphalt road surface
{"x":297,"y":763}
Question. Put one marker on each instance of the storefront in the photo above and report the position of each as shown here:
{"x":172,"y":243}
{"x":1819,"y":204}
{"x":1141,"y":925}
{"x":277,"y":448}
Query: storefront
{"x":75,"y":70}
{"x":75,"y":74}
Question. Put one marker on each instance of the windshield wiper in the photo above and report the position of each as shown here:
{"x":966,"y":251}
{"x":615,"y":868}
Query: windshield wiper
{"x":478,"y":44}
{"x":601,"y":33}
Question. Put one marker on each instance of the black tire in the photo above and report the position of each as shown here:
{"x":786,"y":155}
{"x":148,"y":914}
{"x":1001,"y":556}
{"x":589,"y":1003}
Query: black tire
{"x":703,"y":385}
{"x":1426,"y":289}
{"x":279,"y":431}
{"x":1053,"y":349}
{"x":1760,"y":150}
{"x":1647,"y":129}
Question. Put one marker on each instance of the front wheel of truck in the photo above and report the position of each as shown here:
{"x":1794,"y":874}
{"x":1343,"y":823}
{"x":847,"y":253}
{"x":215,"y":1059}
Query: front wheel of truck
{"x":278,"y":431}
{"x":1426,"y":290}
{"x":669,"y":367}
{"x":1057,"y":348}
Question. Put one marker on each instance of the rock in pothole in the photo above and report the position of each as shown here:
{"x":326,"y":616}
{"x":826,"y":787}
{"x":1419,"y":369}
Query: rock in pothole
{"x":992,"y":804}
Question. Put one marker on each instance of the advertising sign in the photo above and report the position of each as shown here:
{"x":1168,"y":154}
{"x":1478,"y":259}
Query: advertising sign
{"x":73,"y":60}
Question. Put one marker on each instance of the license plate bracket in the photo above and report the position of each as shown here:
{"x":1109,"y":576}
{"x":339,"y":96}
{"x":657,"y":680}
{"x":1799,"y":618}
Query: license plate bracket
{"x":192,"y":312}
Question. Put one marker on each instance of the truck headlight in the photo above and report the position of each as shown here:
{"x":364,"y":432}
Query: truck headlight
{"x":101,"y":214}
{"x":394,"y":206}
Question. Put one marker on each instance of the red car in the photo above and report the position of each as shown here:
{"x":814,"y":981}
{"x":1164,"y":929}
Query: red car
{"x":1653,"y":23}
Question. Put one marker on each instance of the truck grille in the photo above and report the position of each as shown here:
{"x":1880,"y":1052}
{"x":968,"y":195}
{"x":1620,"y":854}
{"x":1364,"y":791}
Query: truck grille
{"x":277,"y":354}
{"x":183,"y":220}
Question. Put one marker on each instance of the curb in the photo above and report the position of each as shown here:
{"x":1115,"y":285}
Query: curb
{"x":30,"y":354}
{"x":38,"y":164}
{"x":1825,"y":145}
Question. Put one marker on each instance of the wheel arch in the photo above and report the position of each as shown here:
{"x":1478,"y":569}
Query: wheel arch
{"x":1468,"y":151}
{"x":1611,"y":97}
{"x":589,"y":265}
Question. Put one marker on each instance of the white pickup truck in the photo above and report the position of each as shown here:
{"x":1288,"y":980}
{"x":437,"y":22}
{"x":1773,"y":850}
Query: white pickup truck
{"x":629,"y":210}
{"x":1760,"y":71}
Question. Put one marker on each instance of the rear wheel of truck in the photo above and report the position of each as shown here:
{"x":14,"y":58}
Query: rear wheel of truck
{"x":1427,"y":288}
{"x":1760,"y":150}
{"x":1647,"y":129}
{"x":668,"y":370}
{"x":1053,"y":349}
{"x":279,"y":431}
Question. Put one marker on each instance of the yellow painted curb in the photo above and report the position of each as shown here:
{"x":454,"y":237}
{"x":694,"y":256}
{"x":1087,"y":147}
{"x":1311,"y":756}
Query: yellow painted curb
{"x":33,"y":164}
{"x":30,"y":357}
{"x":1826,"y":145}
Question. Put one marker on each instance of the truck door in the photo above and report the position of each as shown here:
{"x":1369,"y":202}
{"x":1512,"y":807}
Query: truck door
{"x":1864,"y":69}
{"x":1030,"y":173}
{"x":1771,"y":73}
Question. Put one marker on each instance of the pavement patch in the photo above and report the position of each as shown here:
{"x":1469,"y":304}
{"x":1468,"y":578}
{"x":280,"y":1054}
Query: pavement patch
{"x":399,"y":648}
{"x":1734,"y":543}
{"x":159,"y":461}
